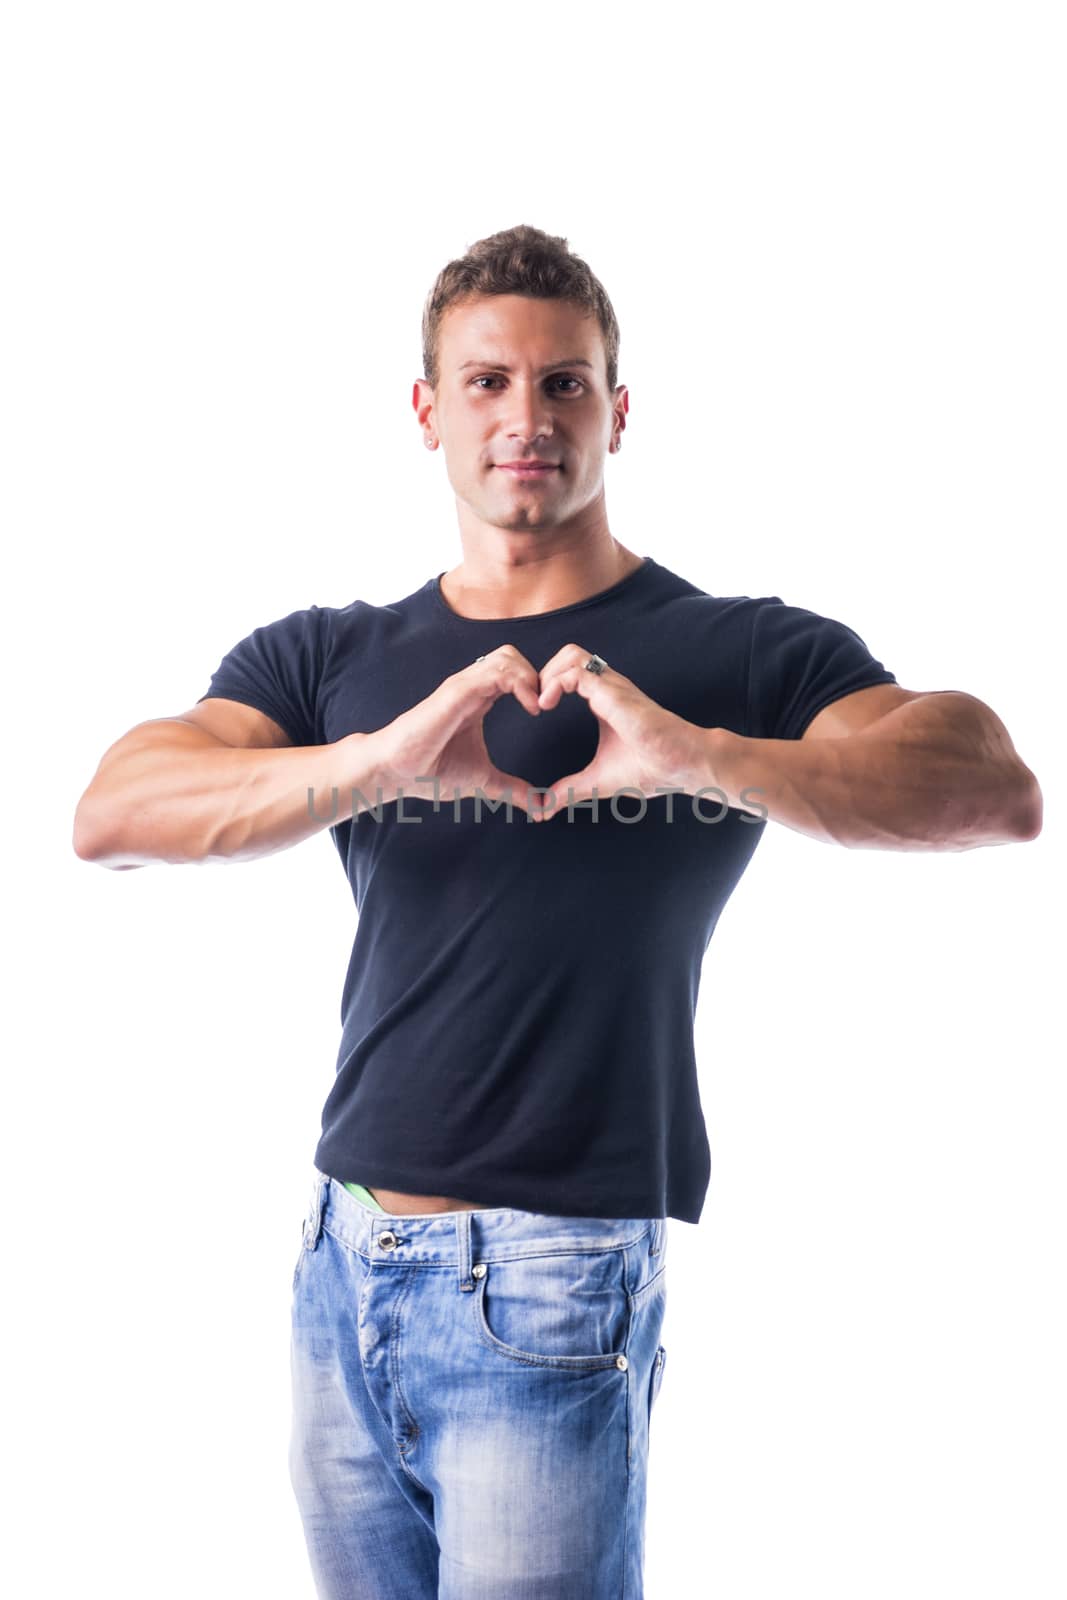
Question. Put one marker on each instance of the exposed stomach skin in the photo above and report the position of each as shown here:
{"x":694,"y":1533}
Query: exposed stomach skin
{"x":410,"y":1205}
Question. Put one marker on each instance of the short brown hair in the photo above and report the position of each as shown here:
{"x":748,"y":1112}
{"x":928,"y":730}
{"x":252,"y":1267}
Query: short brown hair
{"x":521,"y":260}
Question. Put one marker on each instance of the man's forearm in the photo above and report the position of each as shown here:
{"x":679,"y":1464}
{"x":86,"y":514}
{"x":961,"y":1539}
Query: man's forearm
{"x":168,"y":792}
{"x":939,"y":773}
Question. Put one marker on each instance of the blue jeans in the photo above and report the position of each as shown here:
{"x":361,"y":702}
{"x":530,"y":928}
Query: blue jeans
{"x":471,"y":1400}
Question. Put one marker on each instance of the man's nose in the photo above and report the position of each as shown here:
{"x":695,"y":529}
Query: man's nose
{"x":530,"y":415}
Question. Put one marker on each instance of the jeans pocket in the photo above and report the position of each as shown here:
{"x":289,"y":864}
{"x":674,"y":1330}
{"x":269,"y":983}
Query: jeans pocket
{"x":569,"y":1310}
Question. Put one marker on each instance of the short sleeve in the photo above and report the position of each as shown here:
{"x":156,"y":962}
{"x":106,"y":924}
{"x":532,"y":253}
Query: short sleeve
{"x":277,"y":669}
{"x":799,"y":663}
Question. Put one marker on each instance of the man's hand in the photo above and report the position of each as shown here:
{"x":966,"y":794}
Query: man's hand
{"x":642,"y":746}
{"x":441,"y":738}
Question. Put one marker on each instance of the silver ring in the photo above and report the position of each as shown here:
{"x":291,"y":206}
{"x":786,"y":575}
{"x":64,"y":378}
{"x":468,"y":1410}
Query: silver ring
{"x":479,"y":658}
{"x":595,"y":664}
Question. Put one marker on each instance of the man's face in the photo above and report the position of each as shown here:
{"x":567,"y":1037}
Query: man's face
{"x":522,"y":380}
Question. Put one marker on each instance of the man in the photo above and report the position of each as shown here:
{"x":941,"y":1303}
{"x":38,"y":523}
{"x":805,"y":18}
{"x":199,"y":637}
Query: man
{"x":545,"y":771}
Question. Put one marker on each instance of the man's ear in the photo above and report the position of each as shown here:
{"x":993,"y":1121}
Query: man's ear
{"x":422,"y":401}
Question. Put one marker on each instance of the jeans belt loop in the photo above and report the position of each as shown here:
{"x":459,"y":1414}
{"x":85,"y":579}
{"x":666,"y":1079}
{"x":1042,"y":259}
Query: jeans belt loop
{"x":463,"y":1249}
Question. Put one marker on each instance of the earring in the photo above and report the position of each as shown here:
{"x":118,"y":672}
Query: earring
{"x":429,"y":444}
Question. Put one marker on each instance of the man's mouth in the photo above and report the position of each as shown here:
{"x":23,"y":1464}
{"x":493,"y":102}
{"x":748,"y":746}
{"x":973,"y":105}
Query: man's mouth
{"x":528,"y":469}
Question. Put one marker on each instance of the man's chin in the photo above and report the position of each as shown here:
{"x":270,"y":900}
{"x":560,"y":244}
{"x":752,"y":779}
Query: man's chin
{"x":520,"y":518}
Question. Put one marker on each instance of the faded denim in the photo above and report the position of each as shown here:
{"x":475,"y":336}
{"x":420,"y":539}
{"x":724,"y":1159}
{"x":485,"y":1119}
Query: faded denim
{"x":471,"y":1400}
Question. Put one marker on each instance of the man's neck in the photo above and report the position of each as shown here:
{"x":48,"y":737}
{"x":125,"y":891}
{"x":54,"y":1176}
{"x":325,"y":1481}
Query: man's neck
{"x":533,"y":587}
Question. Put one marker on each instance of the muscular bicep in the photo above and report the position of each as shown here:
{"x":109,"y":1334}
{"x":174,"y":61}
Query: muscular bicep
{"x":233,"y":723}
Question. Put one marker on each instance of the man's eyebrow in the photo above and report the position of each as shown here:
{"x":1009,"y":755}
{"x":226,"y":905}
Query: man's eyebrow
{"x":499,"y":366}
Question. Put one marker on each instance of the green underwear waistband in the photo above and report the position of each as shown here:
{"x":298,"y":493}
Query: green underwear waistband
{"x":363,"y":1194}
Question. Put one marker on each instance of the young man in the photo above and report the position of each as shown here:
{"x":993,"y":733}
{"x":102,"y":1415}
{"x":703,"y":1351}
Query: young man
{"x":545,"y":771}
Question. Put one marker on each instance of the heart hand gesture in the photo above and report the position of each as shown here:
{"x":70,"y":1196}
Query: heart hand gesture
{"x":642,"y":746}
{"x":437,"y":751}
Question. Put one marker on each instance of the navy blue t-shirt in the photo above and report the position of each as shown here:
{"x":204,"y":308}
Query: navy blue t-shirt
{"x":517,"y":1014}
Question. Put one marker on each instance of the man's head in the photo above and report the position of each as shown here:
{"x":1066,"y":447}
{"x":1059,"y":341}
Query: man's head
{"x":520,"y":355}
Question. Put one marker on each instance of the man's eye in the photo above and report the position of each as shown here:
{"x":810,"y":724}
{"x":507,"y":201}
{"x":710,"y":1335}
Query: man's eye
{"x":559,"y":378}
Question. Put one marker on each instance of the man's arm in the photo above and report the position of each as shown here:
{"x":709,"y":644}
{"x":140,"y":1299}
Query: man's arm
{"x":221,"y":783}
{"x":936,"y":772}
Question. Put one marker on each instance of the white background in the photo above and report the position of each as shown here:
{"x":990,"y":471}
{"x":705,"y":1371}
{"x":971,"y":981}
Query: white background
{"x":834,"y":239}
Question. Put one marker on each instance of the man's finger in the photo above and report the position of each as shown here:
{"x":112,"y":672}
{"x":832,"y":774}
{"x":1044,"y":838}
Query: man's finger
{"x":568,"y":681}
{"x":511,"y":673}
{"x":570,"y":791}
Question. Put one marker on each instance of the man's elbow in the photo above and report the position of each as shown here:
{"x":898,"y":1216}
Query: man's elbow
{"x":91,"y":842}
{"x":85,"y":835}
{"x":1028,"y":812}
